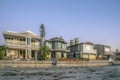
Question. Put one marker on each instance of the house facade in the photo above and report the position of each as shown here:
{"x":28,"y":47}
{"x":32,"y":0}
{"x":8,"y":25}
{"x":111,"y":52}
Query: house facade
{"x":58,"y":48}
{"x":21,"y":45}
{"x":104,"y":51}
{"x":117,"y":56}
{"x":82,"y":50}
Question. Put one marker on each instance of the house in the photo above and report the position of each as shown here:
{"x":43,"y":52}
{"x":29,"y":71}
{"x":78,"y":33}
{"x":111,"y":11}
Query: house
{"x":21,"y":45}
{"x":104,"y":51}
{"x":81,"y":50}
{"x":58,"y":48}
{"x":117,"y":55}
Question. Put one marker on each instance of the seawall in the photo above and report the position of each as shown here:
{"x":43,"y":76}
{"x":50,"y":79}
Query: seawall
{"x":22,"y":64}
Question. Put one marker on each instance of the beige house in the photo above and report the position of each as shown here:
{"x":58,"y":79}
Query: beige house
{"x":82,"y":50}
{"x":104,"y":51}
{"x":58,"y":48}
{"x":21,"y":45}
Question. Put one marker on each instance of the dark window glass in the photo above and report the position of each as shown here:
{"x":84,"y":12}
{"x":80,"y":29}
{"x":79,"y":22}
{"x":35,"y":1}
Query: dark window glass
{"x":62,"y":54}
{"x":74,"y":54}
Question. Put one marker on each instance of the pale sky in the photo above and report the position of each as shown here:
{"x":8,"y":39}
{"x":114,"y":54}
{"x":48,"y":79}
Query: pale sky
{"x":97,"y":21}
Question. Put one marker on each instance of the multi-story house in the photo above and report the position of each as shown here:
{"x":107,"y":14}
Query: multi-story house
{"x":117,"y":56}
{"x":104,"y":51}
{"x":58,"y":48}
{"x":82,"y":50}
{"x":21,"y":45}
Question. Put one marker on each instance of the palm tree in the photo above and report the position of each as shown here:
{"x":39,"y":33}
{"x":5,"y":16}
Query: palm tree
{"x":3,"y":51}
{"x":45,"y":51}
{"x":42,"y":34}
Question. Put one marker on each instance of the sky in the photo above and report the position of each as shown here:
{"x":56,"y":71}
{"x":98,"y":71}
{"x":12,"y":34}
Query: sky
{"x":96,"y":21}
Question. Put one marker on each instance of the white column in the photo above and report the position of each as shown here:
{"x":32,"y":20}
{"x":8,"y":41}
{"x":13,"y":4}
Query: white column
{"x":29,"y":54}
{"x":26,"y":40}
{"x":30,"y":41}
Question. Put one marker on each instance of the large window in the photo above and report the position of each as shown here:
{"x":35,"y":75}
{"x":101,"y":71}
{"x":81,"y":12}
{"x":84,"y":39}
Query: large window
{"x":28,"y":41}
{"x":87,"y":47}
{"x":49,"y":44}
{"x":63,"y":46}
{"x":59,"y":45}
{"x":107,"y":49}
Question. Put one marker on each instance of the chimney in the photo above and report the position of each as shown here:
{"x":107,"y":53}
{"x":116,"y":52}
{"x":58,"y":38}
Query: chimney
{"x":77,"y":41}
{"x":72,"y":42}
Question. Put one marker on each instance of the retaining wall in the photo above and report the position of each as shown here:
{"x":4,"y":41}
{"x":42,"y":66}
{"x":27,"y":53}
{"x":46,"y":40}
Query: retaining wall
{"x":22,"y":64}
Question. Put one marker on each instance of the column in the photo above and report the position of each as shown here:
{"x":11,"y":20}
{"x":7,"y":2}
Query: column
{"x":26,"y":41}
{"x":29,"y":54}
{"x":26,"y":54}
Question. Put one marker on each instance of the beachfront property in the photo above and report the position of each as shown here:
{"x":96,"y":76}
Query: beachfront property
{"x":25,"y":46}
{"x":58,"y":48}
{"x":103,"y":51}
{"x":117,"y":55}
{"x":82,"y":50}
{"x":21,"y":45}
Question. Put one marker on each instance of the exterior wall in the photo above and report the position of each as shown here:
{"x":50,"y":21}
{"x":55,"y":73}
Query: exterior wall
{"x":20,"y":46}
{"x":58,"y":48}
{"x":103,"y":51}
{"x":58,"y":55}
{"x":83,"y":50}
{"x":74,"y":48}
{"x":87,"y":48}
{"x":92,"y":57}
{"x":34,"y":64}
{"x":107,"y":50}
{"x":86,"y":56}
{"x":117,"y":56}
{"x":49,"y":44}
{"x":65,"y":54}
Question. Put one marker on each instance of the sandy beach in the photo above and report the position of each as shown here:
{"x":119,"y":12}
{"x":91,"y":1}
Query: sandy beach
{"x":61,"y":73}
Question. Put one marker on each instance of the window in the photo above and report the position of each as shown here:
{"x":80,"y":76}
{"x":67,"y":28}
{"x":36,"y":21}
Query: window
{"x":107,"y":49}
{"x":28,"y":41}
{"x":62,"y":55}
{"x":87,"y":47}
{"x":53,"y":55}
{"x":20,"y":39}
{"x":23,"y":39}
{"x":53,"y":46}
{"x":74,"y":54}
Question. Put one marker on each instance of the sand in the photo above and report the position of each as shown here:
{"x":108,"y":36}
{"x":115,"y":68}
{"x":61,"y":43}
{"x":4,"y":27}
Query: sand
{"x":58,"y":73}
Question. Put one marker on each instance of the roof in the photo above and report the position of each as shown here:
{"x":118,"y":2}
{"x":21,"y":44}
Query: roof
{"x":90,"y":43}
{"x":58,"y":39}
{"x":21,"y":34}
{"x":102,"y":45}
{"x":87,"y":43}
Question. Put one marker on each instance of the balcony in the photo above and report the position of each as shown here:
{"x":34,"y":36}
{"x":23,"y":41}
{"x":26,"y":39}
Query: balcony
{"x":89,"y":51}
{"x":59,"y":49}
